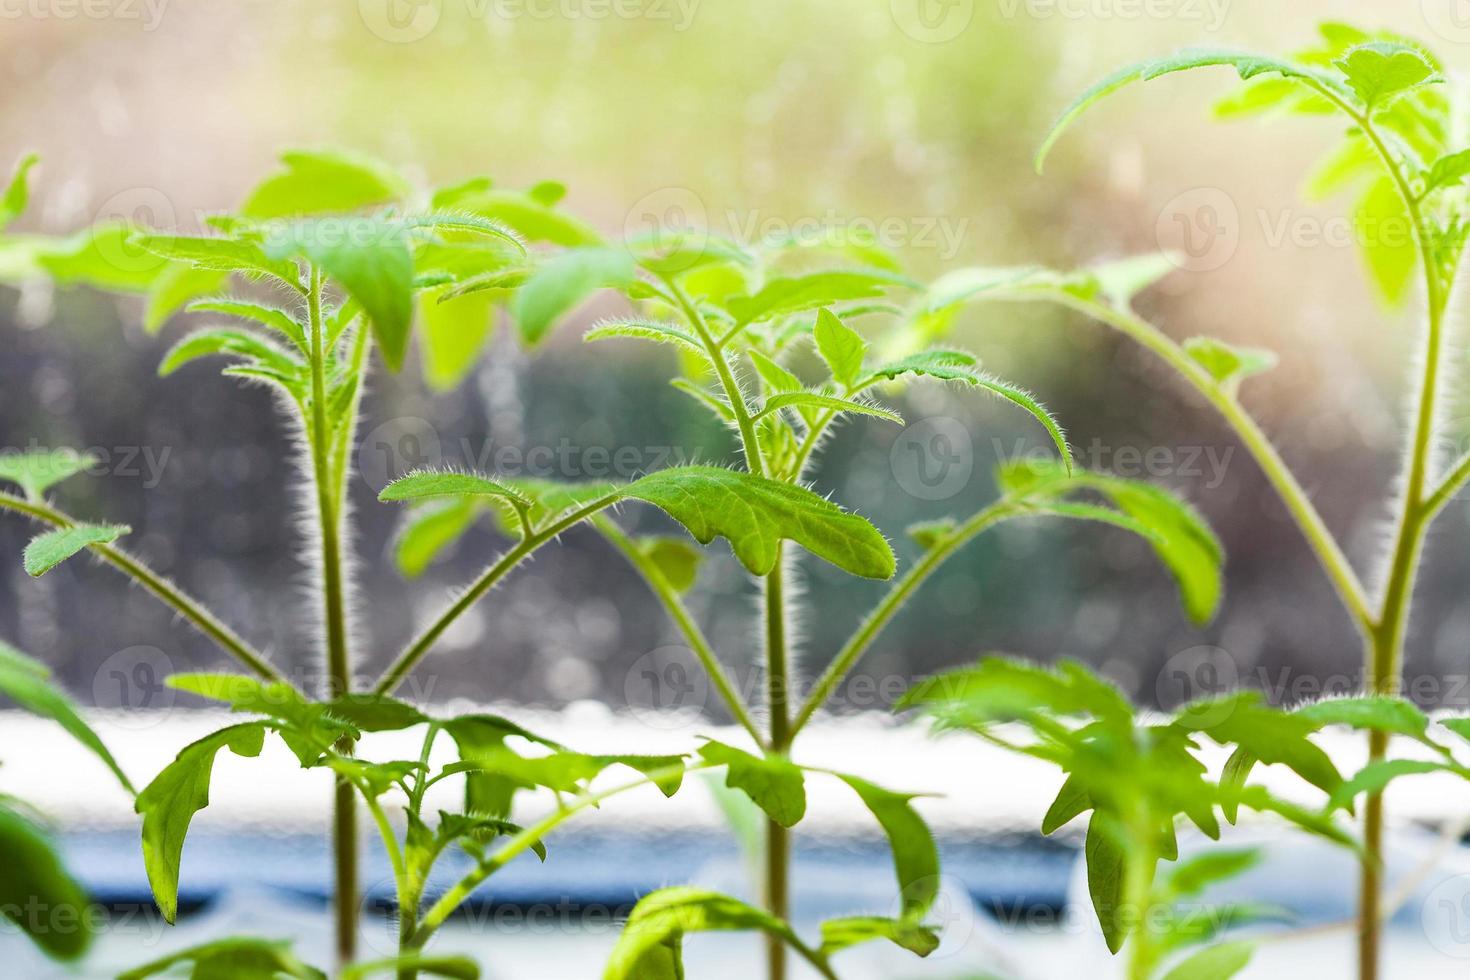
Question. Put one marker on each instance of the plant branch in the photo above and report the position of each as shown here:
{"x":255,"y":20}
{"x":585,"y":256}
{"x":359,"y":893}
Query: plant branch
{"x":525,"y":840}
{"x":171,"y":595}
{"x":425,"y":642}
{"x":677,"y":611}
{"x":884,"y":612}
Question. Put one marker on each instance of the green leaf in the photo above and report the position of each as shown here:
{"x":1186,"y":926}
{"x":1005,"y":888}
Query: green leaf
{"x":651,"y":944}
{"x":813,"y":399}
{"x":173,"y":290}
{"x":48,"y":550}
{"x":429,"y":530}
{"x":169,"y":803}
{"x":1193,"y":875}
{"x":1271,"y":736}
{"x":1380,"y":70}
{"x":454,"y":967}
{"x":1246,"y":65}
{"x":775,"y":783}
{"x":455,"y":332}
{"x":472,"y":831}
{"x":842,"y":347}
{"x":999,"y":689}
{"x":756,"y":513}
{"x":775,"y":377}
{"x":17,"y":191}
{"x":35,"y":878}
{"x":1229,"y":365}
{"x":27,"y":682}
{"x":103,"y":256}
{"x":1180,"y":536}
{"x":375,"y":712}
{"x":915,"y":855}
{"x":1214,"y":963}
{"x":218,"y":255}
{"x":1373,"y":777}
{"x":799,"y":294}
{"x":1448,"y":171}
{"x":227,"y":343}
{"x":1393,"y":715}
{"x":656,"y":331}
{"x":840,"y":934}
{"x":1388,"y":243}
{"x":677,"y":561}
{"x":529,"y":214}
{"x":482,"y":737}
{"x":324,"y":181}
{"x":1106,"y":872}
{"x":308,"y":728}
{"x":1072,"y":800}
{"x":424,"y":484}
{"x":37,"y":472}
{"x":238,"y":958}
{"x":561,"y":284}
{"x":370,"y":259}
{"x":272,"y":317}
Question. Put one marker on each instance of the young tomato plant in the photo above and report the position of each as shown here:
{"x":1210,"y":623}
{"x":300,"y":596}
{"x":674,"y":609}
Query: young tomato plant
{"x":1140,"y":778}
{"x":1400,"y":152}
{"x":348,"y":249}
{"x":746,"y":323}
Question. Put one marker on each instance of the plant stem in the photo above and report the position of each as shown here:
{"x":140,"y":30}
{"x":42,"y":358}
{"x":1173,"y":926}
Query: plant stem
{"x":523,"y":842}
{"x":680,"y":615}
{"x":1384,"y":651}
{"x":420,"y":647}
{"x":168,"y":593}
{"x":339,"y":667}
{"x":884,"y":612}
{"x":778,"y":838}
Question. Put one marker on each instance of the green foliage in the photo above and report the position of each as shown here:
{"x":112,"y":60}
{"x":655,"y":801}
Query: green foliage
{"x":651,"y":944}
{"x":1178,"y":534}
{"x":1397,"y":149}
{"x":27,"y":682}
{"x":773,"y":782}
{"x":169,"y":802}
{"x":36,"y":473}
{"x":48,"y":550}
{"x":17,"y":190}
{"x":1138,"y":778}
{"x":35,"y":877}
{"x":240,"y":958}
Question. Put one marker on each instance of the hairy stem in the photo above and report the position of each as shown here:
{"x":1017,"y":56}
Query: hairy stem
{"x":523,"y":842}
{"x":168,"y":593}
{"x":778,"y":838}
{"x":897,"y":595}
{"x":1384,"y":651}
{"x":421,"y":646}
{"x":339,"y":668}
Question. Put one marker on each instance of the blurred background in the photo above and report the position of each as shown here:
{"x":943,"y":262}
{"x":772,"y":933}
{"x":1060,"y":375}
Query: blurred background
{"x":918,"y":117}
